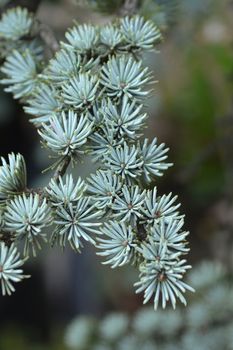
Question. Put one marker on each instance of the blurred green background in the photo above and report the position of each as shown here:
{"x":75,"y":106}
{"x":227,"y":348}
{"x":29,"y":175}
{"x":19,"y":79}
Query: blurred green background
{"x":191,"y":110}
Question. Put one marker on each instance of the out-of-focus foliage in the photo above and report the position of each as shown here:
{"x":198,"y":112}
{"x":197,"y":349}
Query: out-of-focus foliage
{"x":199,"y":97}
{"x":104,"y":6}
{"x":163,"y":12}
{"x":206,"y":324}
{"x":13,"y":337}
{"x":3,"y":2}
{"x":18,"y":31}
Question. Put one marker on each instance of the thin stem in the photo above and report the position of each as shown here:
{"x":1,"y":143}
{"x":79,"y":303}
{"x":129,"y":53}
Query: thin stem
{"x":48,"y":37}
{"x":61,"y":169}
{"x":129,"y":8}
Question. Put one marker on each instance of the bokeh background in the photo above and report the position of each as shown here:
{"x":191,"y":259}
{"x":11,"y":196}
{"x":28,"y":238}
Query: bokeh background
{"x":191,"y":110}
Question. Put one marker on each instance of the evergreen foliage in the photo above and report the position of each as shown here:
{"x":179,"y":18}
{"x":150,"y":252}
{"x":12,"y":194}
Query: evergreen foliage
{"x":90,"y":99}
{"x":10,"y":271}
{"x":18,"y":32}
{"x":15,"y":23}
{"x":13,"y":176}
{"x":26,"y":216}
{"x":66,"y":134}
{"x":205,"y":324}
{"x":21,"y":71}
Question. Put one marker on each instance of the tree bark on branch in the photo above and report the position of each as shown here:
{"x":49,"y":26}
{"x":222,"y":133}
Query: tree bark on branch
{"x":129,"y":8}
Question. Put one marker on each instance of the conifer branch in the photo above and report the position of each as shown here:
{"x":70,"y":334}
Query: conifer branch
{"x":88,"y":99}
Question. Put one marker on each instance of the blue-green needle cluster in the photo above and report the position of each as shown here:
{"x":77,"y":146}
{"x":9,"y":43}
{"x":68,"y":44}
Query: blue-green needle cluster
{"x":90,"y":99}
